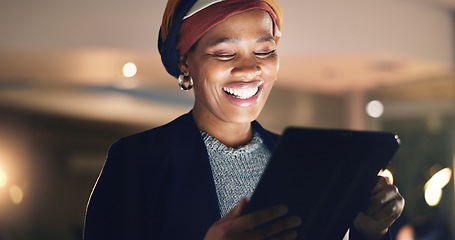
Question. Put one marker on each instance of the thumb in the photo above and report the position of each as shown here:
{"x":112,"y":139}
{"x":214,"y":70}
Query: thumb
{"x":240,"y":207}
{"x":237,"y":211}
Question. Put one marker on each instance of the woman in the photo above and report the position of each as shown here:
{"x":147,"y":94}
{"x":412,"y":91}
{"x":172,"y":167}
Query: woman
{"x":190,"y":179}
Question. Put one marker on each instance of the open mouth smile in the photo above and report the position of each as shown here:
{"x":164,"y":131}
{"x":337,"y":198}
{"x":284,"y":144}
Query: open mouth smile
{"x":244,"y":94}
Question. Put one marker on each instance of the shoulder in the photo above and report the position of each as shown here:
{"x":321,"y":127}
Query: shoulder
{"x":157,"y":137}
{"x":160,"y":146}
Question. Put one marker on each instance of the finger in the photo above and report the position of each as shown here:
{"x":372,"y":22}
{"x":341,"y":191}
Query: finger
{"x":278,"y":228}
{"x":386,"y":193}
{"x":377,"y":201}
{"x":370,"y":226}
{"x":381,"y":184}
{"x":237,"y":211}
{"x":390,"y":211}
{"x":257,"y":218}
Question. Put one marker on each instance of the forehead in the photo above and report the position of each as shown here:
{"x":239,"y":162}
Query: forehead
{"x":252,"y":24}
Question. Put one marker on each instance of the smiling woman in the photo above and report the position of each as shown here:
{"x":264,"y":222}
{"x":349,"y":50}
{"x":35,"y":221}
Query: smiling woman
{"x":191,"y":178}
{"x":234,"y":66}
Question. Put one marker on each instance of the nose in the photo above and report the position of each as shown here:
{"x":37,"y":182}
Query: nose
{"x":247,"y":69}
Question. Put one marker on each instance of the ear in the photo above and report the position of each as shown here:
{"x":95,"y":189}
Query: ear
{"x":183,"y":64}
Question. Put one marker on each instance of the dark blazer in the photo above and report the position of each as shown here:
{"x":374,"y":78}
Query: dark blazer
{"x":157,"y":185}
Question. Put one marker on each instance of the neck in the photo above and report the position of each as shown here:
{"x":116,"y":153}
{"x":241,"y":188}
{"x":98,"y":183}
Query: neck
{"x":230,"y":134}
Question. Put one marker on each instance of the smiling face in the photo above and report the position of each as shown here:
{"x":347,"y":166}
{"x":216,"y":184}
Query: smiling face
{"x":234,"y":66}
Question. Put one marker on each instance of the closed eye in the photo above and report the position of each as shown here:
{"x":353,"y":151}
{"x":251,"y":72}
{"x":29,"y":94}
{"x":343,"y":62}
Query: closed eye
{"x":224,"y":56}
{"x":265,"y":54}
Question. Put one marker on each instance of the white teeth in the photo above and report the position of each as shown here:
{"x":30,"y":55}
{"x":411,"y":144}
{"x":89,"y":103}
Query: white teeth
{"x":243,"y":93}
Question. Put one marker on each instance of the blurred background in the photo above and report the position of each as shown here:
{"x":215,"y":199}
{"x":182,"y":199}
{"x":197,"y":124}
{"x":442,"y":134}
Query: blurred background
{"x":67,"y":93}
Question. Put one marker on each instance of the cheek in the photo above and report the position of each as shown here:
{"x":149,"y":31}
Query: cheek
{"x":277,"y":64}
{"x":207,"y":80}
{"x":270,"y":69}
{"x":212,"y":72}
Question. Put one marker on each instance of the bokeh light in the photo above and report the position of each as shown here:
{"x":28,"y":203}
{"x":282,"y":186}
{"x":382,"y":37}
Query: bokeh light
{"x":3,"y":178}
{"x":129,"y":69}
{"x":433,"y":195}
{"x":16,"y":194}
{"x":433,"y":188}
{"x":440,"y":179}
{"x":375,"y":109}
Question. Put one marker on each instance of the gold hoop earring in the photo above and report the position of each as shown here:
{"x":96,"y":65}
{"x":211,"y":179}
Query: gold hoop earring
{"x":185,"y":78}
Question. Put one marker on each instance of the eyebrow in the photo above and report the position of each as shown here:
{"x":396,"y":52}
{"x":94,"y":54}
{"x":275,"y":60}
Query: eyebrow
{"x":266,"y":39}
{"x":236,"y":40}
{"x":223,"y":40}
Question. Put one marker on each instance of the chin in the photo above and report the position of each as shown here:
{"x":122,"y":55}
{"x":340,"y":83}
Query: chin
{"x":245,"y":116}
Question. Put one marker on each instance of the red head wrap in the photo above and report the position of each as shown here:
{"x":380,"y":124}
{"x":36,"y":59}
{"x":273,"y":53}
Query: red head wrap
{"x":202,"y":21}
{"x":186,"y":21}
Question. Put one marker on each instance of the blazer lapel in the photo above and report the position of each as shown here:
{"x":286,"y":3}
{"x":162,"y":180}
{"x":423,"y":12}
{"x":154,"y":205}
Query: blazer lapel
{"x":195,"y":205}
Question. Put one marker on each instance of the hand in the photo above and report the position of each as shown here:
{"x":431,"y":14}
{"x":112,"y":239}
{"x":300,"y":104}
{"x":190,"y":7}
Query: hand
{"x":263,"y":224}
{"x":386,"y":205}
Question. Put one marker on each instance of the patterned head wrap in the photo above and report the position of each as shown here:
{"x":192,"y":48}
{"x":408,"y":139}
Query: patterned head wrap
{"x":185,"y":21}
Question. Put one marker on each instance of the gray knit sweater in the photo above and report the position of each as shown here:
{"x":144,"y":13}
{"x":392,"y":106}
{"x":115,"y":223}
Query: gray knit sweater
{"x":236,"y":171}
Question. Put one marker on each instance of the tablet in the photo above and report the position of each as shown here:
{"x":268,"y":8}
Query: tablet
{"x":323,"y":176}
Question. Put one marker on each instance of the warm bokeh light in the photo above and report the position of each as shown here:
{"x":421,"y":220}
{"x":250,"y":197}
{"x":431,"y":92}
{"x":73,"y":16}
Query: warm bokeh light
{"x":3,"y":178}
{"x":440,"y":179}
{"x":405,"y":233}
{"x":433,"y":195}
{"x":129,"y":70}
{"x":386,"y":173}
{"x":16,"y":194}
{"x":433,"y":188}
{"x":375,"y":109}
